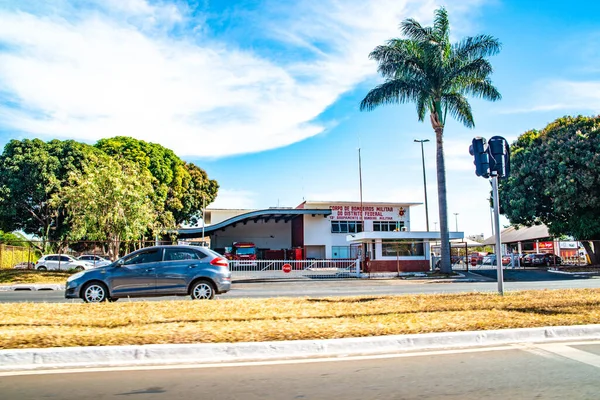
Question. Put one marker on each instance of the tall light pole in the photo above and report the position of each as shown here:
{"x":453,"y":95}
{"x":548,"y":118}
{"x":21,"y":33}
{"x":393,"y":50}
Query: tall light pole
{"x":424,"y":181}
{"x":456,"y":220}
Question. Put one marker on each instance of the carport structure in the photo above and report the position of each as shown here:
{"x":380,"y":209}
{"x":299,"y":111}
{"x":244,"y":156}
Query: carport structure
{"x":273,"y":228}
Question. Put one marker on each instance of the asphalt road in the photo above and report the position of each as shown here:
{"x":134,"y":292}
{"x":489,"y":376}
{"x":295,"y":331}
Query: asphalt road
{"x":544,"y":371}
{"x":351,"y":287}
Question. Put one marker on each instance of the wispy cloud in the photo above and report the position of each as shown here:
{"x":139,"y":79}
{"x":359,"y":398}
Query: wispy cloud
{"x":158,"y":72}
{"x":562,"y":95}
{"x":235,"y":199}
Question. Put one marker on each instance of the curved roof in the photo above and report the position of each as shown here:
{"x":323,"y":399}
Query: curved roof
{"x":277,"y":214}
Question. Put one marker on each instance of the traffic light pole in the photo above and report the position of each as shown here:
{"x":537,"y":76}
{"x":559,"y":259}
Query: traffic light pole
{"x":498,"y":241}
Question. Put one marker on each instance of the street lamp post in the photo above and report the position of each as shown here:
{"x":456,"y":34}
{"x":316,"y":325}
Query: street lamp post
{"x":456,"y":220}
{"x":424,"y":180}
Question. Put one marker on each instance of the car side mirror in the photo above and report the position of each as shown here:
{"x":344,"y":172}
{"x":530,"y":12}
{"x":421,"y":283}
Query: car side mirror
{"x":120,"y":262}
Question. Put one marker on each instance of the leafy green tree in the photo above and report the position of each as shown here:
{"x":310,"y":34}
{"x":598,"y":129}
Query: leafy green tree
{"x":555,"y":180}
{"x":178,"y":186}
{"x":108,"y":201}
{"x":425,"y":68}
{"x":13,"y":239}
{"x":31,"y":173}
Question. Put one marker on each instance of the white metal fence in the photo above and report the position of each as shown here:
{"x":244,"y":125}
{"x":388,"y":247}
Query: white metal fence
{"x":294,"y":269}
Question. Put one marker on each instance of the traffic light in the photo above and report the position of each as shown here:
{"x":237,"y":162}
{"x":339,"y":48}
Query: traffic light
{"x":499,"y":156}
{"x":479,"y":150}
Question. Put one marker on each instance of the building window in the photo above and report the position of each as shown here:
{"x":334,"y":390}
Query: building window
{"x":346,"y":226}
{"x":344,"y":252}
{"x":388,"y":226}
{"x":393,"y":248}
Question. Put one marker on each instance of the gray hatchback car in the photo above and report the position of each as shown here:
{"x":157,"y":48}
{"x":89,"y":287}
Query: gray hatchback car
{"x":154,"y":271}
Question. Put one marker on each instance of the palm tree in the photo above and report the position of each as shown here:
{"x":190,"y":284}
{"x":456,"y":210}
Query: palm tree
{"x":436,"y":75}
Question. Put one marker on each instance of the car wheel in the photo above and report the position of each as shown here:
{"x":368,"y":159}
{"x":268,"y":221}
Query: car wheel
{"x":42,"y":268}
{"x":80,"y":268}
{"x":95,"y":292}
{"x":202,"y":290}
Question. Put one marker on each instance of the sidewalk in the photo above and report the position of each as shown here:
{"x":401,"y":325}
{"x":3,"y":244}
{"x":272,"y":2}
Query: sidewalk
{"x":215,"y":353}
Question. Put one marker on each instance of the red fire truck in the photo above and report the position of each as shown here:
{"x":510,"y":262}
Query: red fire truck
{"x":243,"y":251}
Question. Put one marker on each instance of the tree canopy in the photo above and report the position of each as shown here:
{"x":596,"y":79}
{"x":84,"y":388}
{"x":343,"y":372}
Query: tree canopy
{"x":425,"y":68}
{"x":31,"y":173}
{"x":43,"y":185}
{"x":555,"y":180}
{"x":178,"y":185}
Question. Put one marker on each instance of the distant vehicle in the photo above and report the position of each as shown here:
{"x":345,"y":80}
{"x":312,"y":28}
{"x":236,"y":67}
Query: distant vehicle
{"x":154,"y":271}
{"x":243,"y":254}
{"x":95,"y":260}
{"x":538,"y":259}
{"x":61,"y":262}
{"x":24,"y":265}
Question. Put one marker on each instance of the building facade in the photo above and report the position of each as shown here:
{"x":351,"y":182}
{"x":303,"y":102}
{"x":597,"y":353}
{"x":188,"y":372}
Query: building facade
{"x":377,"y":233}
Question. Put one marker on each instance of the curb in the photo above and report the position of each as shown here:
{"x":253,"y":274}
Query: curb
{"x":32,"y":287}
{"x":214,"y":353}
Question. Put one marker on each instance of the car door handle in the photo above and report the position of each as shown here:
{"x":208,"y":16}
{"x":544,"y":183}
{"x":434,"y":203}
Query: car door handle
{"x":193,"y":266}
{"x":150,"y":269}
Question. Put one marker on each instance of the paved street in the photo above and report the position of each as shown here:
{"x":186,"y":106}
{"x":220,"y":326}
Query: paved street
{"x":323,"y":288}
{"x":544,"y":371}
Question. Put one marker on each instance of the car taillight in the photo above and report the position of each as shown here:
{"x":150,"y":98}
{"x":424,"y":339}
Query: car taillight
{"x":219,"y":262}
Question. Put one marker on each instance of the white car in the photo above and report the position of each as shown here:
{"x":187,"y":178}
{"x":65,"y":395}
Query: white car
{"x":95,"y":260}
{"x":61,"y":262}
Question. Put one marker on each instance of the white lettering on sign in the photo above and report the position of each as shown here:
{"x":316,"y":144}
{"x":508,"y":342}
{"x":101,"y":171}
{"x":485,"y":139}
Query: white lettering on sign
{"x":373,"y":213}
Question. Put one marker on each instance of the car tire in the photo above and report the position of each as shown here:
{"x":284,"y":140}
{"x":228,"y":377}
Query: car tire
{"x":42,"y":268}
{"x":202,"y":290}
{"x":94,"y":292}
{"x":79,"y":269}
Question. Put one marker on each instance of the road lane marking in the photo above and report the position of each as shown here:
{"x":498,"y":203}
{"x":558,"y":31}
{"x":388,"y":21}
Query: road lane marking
{"x":341,"y":358}
{"x":571,"y":353}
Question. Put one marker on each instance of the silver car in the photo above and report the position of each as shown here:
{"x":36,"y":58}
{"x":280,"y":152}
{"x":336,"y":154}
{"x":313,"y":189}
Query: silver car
{"x":60,"y":262}
{"x":154,"y":271}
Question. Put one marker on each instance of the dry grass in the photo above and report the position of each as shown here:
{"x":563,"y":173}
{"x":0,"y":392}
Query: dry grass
{"x":14,"y":276}
{"x":76,"y":324}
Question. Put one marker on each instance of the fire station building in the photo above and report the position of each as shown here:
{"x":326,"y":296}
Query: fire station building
{"x":378,"y":233}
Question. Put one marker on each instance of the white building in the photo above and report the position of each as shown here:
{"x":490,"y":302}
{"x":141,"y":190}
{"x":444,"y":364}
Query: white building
{"x":378,"y":233}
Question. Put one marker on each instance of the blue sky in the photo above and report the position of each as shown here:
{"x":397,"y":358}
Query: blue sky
{"x":264,"y":94}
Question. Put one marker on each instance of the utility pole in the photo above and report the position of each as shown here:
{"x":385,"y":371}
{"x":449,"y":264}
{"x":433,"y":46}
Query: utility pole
{"x":424,"y":180}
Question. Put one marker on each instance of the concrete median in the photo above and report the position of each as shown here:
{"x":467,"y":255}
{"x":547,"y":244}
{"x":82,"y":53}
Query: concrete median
{"x":208,"y":353}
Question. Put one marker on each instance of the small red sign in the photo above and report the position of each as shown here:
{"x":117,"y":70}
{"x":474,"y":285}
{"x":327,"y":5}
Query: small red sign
{"x":287,"y":268}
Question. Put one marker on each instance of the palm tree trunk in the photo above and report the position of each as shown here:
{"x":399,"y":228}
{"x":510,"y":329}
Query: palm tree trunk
{"x":445,"y":264}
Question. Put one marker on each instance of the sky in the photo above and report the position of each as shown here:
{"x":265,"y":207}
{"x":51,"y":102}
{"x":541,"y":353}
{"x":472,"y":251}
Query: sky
{"x":264,"y":95}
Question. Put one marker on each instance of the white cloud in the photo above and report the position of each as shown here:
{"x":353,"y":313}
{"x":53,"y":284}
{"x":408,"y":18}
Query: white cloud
{"x":235,"y":199}
{"x":562,"y":95}
{"x":116,"y":70}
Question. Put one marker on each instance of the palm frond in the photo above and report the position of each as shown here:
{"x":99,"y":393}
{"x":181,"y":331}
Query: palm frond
{"x":399,"y":57}
{"x":456,"y":68}
{"x":460,"y":109}
{"x":393,"y":91}
{"x":477,"y":46}
{"x":422,"y":106}
{"x":482,"y":88}
{"x":441,"y":25}
{"x":414,"y":31}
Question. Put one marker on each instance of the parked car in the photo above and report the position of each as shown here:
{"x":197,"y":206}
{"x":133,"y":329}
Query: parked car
{"x":61,"y":262}
{"x":538,"y":259}
{"x":93,"y":259}
{"x":24,"y":265}
{"x":154,"y":271}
